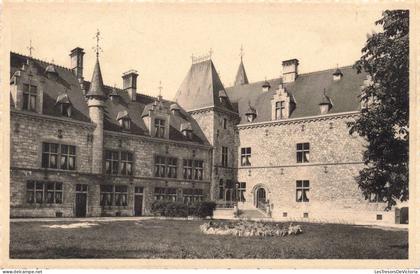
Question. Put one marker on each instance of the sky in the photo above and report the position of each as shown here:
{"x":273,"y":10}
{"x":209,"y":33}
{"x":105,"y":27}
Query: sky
{"x":158,"y":40}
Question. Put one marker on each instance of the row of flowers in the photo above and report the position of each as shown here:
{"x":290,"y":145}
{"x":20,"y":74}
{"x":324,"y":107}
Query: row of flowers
{"x":250,"y":228}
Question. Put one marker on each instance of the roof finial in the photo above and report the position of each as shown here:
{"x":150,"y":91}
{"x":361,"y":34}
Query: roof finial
{"x":160,"y":88}
{"x":242,"y":52}
{"x":97,"y":49}
{"x":30,"y":48}
{"x":210,"y":53}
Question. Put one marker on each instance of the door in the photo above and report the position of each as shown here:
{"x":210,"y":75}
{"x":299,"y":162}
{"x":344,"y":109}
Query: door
{"x":138,"y":205}
{"x":261,"y":198}
{"x":81,"y":200}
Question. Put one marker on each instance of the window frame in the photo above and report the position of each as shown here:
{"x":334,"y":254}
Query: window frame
{"x":246,"y":155}
{"x":192,"y":195}
{"x":59,"y":155}
{"x":165,"y":194}
{"x":29,"y":95}
{"x":113,"y":194}
{"x":279,"y":108}
{"x":302,"y":186}
{"x":302,"y":152}
{"x":57,"y":192}
{"x":241,"y":189}
{"x":225,"y":153}
{"x":116,"y":164}
{"x":159,"y":126}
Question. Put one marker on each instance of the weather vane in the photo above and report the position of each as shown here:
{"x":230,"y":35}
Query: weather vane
{"x":242,"y":52}
{"x":160,"y":88}
{"x":97,"y":49}
{"x":30,"y":48}
{"x":210,"y":53}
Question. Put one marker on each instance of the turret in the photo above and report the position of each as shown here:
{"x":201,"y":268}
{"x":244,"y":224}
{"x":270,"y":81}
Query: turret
{"x":96,"y":99}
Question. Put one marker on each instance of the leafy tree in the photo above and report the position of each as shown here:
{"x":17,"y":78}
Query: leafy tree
{"x":384,"y":122}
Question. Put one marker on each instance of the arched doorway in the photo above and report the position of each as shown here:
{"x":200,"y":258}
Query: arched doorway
{"x":261,"y":198}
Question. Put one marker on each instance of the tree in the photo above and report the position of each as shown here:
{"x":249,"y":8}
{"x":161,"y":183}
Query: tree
{"x":384,"y":122}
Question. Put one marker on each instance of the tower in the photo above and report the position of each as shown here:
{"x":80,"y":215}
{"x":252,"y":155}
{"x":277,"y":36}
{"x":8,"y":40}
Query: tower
{"x":241,"y":77}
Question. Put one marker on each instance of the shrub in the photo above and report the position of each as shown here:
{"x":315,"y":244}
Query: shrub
{"x":178,"y":209}
{"x":204,"y":209}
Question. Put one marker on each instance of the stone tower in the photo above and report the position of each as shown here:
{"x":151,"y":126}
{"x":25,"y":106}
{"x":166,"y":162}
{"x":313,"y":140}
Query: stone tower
{"x":203,"y":95}
{"x":96,"y":99}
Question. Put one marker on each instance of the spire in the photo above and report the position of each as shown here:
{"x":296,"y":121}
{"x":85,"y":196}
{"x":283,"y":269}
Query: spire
{"x":241,"y":78}
{"x":96,"y":88}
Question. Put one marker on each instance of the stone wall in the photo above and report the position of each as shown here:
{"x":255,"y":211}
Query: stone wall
{"x":334,"y":160}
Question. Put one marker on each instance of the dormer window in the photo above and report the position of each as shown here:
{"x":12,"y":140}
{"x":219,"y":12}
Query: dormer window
{"x":251,"y":114}
{"x":65,"y":105}
{"x":222,"y":96}
{"x":266,"y":86}
{"x":124,"y":120}
{"x":114,"y":94}
{"x":326,"y":104}
{"x":337,"y":75}
{"x":174,"y":108}
{"x":159,"y":128}
{"x":29,"y":97}
{"x":186,"y":130}
{"x":280,"y":107}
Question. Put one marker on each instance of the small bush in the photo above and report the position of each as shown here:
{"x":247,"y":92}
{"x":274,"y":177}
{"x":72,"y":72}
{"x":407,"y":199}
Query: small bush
{"x":178,"y":209}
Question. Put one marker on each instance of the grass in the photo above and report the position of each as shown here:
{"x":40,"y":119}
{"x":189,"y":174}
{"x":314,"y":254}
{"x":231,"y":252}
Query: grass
{"x":183,"y":239}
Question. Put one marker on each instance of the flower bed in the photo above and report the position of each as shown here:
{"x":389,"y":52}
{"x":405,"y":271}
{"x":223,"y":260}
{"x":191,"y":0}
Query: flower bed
{"x":249,"y":228}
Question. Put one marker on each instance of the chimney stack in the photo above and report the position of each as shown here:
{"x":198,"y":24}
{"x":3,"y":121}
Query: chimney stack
{"x":290,"y":70}
{"x":130,"y":83}
{"x":76,"y":58}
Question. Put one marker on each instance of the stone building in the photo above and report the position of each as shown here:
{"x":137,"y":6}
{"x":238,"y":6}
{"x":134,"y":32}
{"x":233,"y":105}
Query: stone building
{"x":277,"y":147}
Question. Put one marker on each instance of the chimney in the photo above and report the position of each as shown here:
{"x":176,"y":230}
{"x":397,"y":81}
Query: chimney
{"x":76,"y":58}
{"x":290,"y":70}
{"x":130,"y":83}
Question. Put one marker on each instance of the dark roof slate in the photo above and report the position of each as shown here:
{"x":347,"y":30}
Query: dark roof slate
{"x":67,"y":83}
{"x":306,"y":91}
{"x":201,"y":88}
{"x":241,"y":77}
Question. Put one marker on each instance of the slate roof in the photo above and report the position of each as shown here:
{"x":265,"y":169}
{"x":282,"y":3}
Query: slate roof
{"x":241,"y":77}
{"x":307,"y":91}
{"x":201,"y":88}
{"x":67,"y":83}
{"x":96,"y":85}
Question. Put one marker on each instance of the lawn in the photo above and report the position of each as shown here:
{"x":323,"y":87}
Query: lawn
{"x":183,"y":239}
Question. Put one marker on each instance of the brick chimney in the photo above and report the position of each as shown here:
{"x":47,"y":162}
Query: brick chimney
{"x":290,"y":70}
{"x":130,"y":83}
{"x":76,"y":59}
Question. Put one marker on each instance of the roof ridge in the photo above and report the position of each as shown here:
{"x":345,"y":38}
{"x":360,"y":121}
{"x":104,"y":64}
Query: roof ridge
{"x":40,"y":60}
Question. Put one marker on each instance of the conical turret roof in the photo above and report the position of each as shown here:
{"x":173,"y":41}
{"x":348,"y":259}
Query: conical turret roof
{"x":96,"y":88}
{"x":241,"y":78}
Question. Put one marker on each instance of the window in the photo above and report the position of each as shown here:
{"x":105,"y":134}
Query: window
{"x":168,"y":194}
{"x":125,"y":123}
{"x":241,"y":188}
{"x":279,"y":110}
{"x":65,"y":109}
{"x":159,"y":128}
{"x":118,"y":162}
{"x":166,"y":167}
{"x":224,"y":156}
{"x":224,"y":123}
{"x":121,"y":195}
{"x":245,"y":156}
{"x":198,"y":170}
{"x":113,"y":195}
{"x":302,"y":191}
{"x":221,"y":189}
{"x":302,"y":152}
{"x":192,"y":195}
{"x":187,"y":169}
{"x":58,"y":156}
{"x":29,"y":97}
{"x":172,"y":167}
{"x":44,"y":192}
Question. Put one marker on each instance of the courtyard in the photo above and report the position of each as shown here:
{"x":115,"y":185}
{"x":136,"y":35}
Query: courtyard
{"x":157,"y":238}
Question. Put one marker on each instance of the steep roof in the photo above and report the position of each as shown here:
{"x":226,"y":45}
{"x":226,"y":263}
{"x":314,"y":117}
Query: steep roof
{"x":96,"y":88}
{"x":241,"y":78}
{"x":67,"y":83}
{"x":201,"y":88}
{"x":306,"y":91}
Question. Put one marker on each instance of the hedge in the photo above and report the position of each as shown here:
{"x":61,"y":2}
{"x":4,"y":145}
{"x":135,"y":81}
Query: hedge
{"x":178,"y":209}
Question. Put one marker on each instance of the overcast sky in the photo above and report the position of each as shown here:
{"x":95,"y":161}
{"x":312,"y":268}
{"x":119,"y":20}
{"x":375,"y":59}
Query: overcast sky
{"x":158,"y":40}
